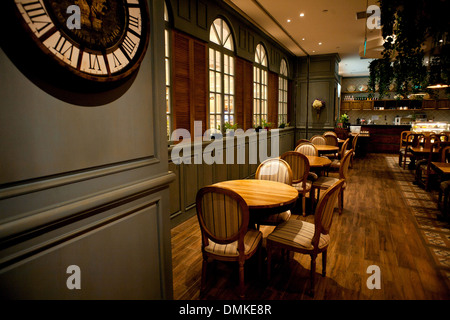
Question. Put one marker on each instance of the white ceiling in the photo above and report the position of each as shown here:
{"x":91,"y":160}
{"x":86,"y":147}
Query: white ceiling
{"x":332,"y":23}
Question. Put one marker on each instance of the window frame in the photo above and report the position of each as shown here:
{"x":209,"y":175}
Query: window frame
{"x":223,"y":74}
{"x":168,"y":71}
{"x":283,"y":91}
{"x":260,"y":86}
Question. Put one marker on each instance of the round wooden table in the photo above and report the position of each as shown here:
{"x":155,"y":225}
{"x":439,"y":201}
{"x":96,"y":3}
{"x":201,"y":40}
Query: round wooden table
{"x":318,"y":162}
{"x":262,"y":195}
{"x":326,"y":148}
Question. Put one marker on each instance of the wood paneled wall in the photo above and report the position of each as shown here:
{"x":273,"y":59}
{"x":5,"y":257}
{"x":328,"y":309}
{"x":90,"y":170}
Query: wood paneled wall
{"x":272,"y":98}
{"x":244,"y":93}
{"x":189,"y":81}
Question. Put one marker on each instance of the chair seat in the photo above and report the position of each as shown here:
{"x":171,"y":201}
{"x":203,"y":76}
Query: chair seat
{"x":312,"y":176}
{"x":326,"y":182}
{"x":335,"y":164}
{"x":297,"y":234}
{"x":251,"y":240}
{"x":299,"y":186}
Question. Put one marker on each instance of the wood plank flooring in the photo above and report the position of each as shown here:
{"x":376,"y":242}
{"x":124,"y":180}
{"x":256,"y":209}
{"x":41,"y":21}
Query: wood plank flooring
{"x":375,"y":228}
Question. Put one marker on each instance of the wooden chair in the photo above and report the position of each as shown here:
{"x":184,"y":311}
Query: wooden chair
{"x":412,"y":140}
{"x":424,"y":171}
{"x":318,"y":140}
{"x":354,"y":143}
{"x":305,"y":237}
{"x":331,"y":140}
{"x":402,"y":147}
{"x":279,"y":170}
{"x":299,"y":164}
{"x":223,"y":216}
{"x":444,"y":186}
{"x":336,"y":163}
{"x":331,"y":133}
{"x":307,"y":149}
{"x":300,"y":141}
{"x":324,"y":182}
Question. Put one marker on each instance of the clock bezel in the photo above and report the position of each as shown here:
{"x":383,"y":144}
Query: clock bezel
{"x":126,"y":72}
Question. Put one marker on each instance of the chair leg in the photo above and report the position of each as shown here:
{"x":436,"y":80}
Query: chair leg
{"x":269,"y":260}
{"x":312,"y":274}
{"x":241,"y":279}
{"x":304,"y":204}
{"x":324,"y":263}
{"x":205,"y":263}
{"x":341,"y":201}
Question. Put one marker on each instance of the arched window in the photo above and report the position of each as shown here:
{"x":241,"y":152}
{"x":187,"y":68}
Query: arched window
{"x":167,"y":68}
{"x":221,"y":75}
{"x":260,"y":84}
{"x":283,"y":93}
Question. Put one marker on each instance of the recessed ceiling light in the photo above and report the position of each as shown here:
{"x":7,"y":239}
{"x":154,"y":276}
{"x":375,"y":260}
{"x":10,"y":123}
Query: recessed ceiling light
{"x":320,"y":43}
{"x":288,"y":20}
{"x":302,"y":14}
{"x":303,"y":38}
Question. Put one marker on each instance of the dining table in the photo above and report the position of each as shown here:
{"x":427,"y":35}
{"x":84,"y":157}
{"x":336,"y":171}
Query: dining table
{"x":443,"y":168}
{"x":263,"y":196}
{"x":420,"y":152}
{"x":325,"y":148}
{"x":318,"y":162}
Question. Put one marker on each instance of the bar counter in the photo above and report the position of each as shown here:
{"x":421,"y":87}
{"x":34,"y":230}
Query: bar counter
{"x":384,"y":138}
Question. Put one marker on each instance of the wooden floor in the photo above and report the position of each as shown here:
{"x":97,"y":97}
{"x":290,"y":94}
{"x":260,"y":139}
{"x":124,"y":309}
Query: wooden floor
{"x":375,"y":228}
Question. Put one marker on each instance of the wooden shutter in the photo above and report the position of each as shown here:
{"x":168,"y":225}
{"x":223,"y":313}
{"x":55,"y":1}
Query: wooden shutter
{"x":272,"y":99}
{"x":244,"y":93}
{"x":189,"y":82}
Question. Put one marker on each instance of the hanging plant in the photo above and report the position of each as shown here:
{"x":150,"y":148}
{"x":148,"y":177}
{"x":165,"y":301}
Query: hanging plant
{"x":407,"y":25}
{"x":380,"y":75}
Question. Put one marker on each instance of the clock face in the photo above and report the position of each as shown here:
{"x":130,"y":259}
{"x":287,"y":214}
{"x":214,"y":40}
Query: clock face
{"x":99,"y":40}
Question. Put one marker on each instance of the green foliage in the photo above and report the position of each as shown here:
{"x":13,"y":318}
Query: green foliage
{"x":407,"y":25}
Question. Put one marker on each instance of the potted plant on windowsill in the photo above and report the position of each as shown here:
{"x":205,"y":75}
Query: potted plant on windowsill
{"x":266,"y":125}
{"x":229,"y":128}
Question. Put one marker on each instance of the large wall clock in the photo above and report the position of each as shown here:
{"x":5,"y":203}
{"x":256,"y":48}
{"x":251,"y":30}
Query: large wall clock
{"x":108,"y":45}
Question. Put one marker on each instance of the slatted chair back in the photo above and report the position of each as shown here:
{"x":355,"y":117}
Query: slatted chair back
{"x":223,"y":216}
{"x":318,"y":140}
{"x":331,"y":140}
{"x":274,"y":169}
{"x":344,"y":148}
{"x":403,"y":136}
{"x":323,"y":216}
{"x":345,"y":161}
{"x":307,"y":149}
{"x":299,"y":165}
{"x":355,"y":141}
{"x":414,"y":139}
{"x":331,"y":133}
{"x":300,"y":141}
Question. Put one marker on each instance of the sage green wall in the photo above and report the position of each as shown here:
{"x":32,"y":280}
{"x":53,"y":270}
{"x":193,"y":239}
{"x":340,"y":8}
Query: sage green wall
{"x":322,"y":84}
{"x":85,"y":186}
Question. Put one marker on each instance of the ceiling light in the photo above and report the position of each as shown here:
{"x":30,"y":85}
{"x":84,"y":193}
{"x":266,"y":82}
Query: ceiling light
{"x":302,"y":14}
{"x":320,"y":43}
{"x":303,"y":38}
{"x":438,"y":86}
{"x":288,"y":20}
